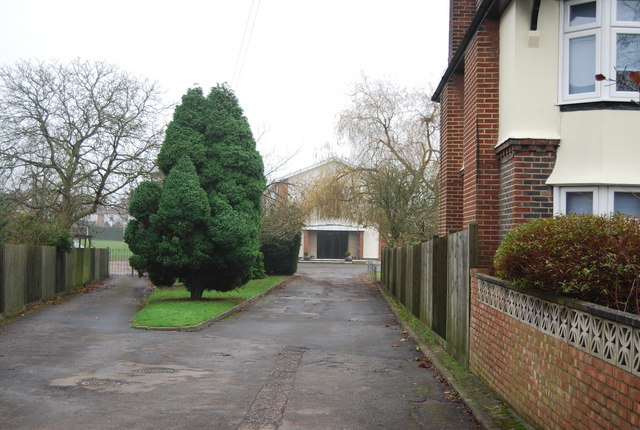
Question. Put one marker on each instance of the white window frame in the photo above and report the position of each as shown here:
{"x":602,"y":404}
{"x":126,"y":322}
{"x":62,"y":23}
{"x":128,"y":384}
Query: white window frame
{"x":605,"y":28}
{"x":626,"y":95}
{"x":614,"y":17}
{"x":603,"y":195}
{"x":560,"y":198}
{"x":613,"y":190}
{"x":581,"y":97}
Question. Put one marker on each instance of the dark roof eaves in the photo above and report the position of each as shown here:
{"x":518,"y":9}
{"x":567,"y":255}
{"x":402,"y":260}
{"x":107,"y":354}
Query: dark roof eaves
{"x":482,"y":13}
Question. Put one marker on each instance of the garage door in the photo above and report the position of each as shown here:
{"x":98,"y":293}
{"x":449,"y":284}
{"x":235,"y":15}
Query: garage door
{"x":332,"y":244}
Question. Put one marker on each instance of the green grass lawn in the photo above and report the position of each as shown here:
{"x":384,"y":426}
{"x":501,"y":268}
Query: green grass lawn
{"x":113,"y":244}
{"x":171,"y":307}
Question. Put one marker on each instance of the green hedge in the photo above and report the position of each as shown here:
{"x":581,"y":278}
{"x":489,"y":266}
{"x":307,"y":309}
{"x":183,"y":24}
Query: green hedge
{"x":281,"y":256}
{"x":592,"y":258}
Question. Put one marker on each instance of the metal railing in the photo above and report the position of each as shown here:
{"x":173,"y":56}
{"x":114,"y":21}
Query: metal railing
{"x":119,"y":263}
{"x":373,"y":269}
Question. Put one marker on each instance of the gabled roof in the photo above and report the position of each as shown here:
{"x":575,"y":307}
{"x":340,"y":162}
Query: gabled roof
{"x":307,"y":169}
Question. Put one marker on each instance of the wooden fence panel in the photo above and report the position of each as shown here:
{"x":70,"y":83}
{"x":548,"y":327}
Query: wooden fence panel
{"x":392,"y":271}
{"x":458,"y":294}
{"x":48,"y":272}
{"x":103,"y":258}
{"x":77,"y":263}
{"x":397,"y":286}
{"x":32,"y":273}
{"x":14,"y":274}
{"x":407,"y":284}
{"x":416,"y":293}
{"x":426,"y":283}
{"x":432,"y":281}
{"x":88,"y":267}
{"x":461,"y":254}
{"x":439,"y":286}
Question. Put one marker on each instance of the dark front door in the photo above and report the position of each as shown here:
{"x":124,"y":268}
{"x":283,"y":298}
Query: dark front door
{"x":332,"y":244}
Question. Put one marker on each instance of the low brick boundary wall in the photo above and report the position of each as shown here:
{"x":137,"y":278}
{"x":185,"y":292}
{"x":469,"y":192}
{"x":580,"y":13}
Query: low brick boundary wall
{"x":562,"y":364}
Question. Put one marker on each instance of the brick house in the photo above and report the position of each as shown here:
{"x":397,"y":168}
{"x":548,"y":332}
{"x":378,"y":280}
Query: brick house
{"x":526,"y":130}
{"x":321,"y":237}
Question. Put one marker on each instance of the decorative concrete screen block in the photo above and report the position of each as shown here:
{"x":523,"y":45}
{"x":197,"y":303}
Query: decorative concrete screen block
{"x":614,"y":342}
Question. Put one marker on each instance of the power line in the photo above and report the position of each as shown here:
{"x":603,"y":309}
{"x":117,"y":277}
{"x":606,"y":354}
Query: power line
{"x":244,"y":45}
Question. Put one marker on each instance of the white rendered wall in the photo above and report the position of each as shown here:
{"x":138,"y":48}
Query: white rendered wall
{"x":371,"y":244}
{"x":596,"y":146}
{"x":529,"y":73}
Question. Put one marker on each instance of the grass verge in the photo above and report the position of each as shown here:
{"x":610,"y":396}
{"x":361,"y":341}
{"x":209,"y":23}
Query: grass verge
{"x":487,"y":407}
{"x":171,"y":307}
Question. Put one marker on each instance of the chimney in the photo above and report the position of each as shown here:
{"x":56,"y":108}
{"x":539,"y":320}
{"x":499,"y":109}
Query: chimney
{"x":461,"y":14}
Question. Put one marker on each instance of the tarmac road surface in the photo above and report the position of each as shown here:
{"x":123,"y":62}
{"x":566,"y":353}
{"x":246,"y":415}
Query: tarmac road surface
{"x":322,"y":353}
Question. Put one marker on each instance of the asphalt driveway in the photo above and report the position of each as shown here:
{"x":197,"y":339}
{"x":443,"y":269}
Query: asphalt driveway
{"x":322,"y":353}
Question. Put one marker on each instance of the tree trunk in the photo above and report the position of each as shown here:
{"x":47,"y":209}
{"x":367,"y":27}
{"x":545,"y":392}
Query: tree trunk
{"x":196,"y":292}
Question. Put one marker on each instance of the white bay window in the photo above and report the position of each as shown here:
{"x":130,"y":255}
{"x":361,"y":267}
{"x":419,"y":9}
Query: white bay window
{"x":600,"y":200}
{"x":598,"y":37}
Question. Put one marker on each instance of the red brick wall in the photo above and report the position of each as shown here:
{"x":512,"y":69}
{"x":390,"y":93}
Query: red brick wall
{"x":461,"y":13}
{"x":552,"y":383}
{"x":525,"y":165}
{"x":469,"y":172}
{"x":481,"y":173}
{"x":305,"y":240}
{"x":450,"y":178}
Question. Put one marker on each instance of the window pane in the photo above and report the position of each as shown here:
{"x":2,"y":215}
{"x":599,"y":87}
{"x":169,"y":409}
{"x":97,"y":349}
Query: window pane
{"x":582,"y":65}
{"x":581,"y":14}
{"x":626,"y":203}
{"x":627,"y":60}
{"x":580,"y":202}
{"x":628,"y":10}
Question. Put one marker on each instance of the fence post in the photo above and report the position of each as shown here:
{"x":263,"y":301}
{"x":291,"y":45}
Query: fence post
{"x":473,"y":245}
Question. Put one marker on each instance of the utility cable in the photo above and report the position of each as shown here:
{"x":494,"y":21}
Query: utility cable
{"x":244,"y":45}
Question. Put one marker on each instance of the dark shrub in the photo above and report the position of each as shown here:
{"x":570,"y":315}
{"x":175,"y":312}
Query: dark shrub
{"x":30,"y":230}
{"x":158,"y":275}
{"x":592,"y":258}
{"x":257,"y":271}
{"x":281,"y":256}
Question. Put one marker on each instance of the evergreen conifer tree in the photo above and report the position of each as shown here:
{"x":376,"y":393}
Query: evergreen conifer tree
{"x":203,"y":225}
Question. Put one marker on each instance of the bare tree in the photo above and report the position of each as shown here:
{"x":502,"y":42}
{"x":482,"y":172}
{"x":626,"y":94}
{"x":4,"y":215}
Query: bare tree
{"x":75,"y":136}
{"x":390,"y":179}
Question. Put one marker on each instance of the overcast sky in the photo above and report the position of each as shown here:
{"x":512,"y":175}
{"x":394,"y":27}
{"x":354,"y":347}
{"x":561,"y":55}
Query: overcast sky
{"x":302,"y":59}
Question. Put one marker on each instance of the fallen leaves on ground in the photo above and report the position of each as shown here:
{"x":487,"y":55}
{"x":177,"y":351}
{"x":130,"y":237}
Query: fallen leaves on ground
{"x":425,"y":362}
{"x":452,"y":396}
{"x":90,"y":288}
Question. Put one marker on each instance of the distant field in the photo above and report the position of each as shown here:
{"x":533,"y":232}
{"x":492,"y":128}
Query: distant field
{"x":112,"y":244}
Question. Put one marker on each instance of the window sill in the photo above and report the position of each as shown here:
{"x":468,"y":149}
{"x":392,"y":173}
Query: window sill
{"x":599,"y":105}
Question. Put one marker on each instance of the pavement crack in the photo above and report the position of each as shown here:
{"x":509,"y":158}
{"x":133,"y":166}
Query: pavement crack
{"x":268,"y":408}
